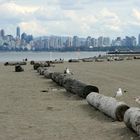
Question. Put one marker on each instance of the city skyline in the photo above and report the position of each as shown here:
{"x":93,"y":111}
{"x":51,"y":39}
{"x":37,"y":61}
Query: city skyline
{"x":82,"y":18}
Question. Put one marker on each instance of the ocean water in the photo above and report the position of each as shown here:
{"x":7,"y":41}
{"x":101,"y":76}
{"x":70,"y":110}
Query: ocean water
{"x":43,"y":56}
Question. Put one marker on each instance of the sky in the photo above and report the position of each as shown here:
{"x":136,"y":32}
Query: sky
{"x":84,"y":18}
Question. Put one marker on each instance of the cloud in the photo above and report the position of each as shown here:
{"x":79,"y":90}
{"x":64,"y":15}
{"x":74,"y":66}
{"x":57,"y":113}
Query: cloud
{"x":136,"y":14}
{"x":33,"y":27}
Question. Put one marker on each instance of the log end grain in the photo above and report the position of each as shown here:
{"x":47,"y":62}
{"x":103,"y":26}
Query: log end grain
{"x":120,"y":111}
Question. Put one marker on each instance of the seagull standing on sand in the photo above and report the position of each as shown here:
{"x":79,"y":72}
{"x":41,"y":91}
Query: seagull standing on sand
{"x":118,"y":93}
{"x":67,"y":71}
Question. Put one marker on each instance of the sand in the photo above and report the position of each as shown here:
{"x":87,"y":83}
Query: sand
{"x":28,"y":113}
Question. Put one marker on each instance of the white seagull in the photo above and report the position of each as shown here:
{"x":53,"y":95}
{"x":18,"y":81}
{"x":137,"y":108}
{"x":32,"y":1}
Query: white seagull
{"x":119,"y":93}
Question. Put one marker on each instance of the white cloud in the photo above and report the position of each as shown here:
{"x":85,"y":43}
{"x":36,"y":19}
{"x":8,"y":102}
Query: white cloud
{"x":70,"y":17}
{"x":136,"y":14}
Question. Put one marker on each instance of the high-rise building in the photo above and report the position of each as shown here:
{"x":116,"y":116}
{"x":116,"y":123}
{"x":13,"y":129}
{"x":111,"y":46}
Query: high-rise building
{"x":75,"y":42}
{"x":139,"y":40}
{"x":18,"y":32}
{"x":100,"y":41}
{"x":106,"y":42}
{"x":2,"y":33}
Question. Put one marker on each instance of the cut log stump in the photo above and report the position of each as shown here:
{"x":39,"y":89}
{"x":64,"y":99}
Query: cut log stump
{"x":78,"y":87}
{"x":18,"y":68}
{"x":132,"y":119}
{"x":108,"y":105}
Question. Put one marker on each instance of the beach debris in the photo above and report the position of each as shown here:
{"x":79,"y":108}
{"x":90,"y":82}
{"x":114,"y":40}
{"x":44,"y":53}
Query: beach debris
{"x":77,"y":87}
{"x":99,"y":60}
{"x":18,"y":68}
{"x":132,"y":119}
{"x":41,"y":70}
{"x":110,"y":59}
{"x":136,"y":57}
{"x":32,"y":62}
{"x":54,"y":89}
{"x":87,"y":60}
{"x":118,"y":58}
{"x":118,"y":93}
{"x":73,"y":60}
{"x":137,"y":99}
{"x":48,"y":74}
{"x":108,"y":105}
{"x":14,"y":63}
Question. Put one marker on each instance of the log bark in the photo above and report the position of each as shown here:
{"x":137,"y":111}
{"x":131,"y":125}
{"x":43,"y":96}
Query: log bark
{"x":14,"y":63}
{"x":73,"y":60}
{"x":41,"y":70}
{"x":108,"y":105}
{"x":87,"y":60}
{"x":132,"y":119}
{"x":55,"y":76}
{"x":18,"y":68}
{"x":48,"y":74}
{"x":78,"y":87}
{"x":59,"y":78}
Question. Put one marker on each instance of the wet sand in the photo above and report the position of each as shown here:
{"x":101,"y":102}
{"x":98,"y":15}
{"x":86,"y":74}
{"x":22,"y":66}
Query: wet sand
{"x":35,"y":108}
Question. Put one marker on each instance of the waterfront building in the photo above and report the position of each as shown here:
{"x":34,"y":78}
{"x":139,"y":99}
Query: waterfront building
{"x":18,"y":32}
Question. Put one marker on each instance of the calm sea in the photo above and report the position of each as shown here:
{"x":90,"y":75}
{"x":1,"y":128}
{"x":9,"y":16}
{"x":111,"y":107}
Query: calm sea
{"x":41,"y":56}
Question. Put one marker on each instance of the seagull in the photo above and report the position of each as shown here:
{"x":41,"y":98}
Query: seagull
{"x":118,"y":93}
{"x":67,"y":71}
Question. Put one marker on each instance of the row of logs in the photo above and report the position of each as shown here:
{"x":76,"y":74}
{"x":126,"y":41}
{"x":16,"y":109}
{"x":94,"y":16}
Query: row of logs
{"x":119,"y":111}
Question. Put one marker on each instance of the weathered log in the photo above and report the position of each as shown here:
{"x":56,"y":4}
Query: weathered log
{"x":14,"y":63}
{"x":78,"y":87}
{"x":73,"y":60}
{"x":41,"y":70}
{"x":48,"y":74}
{"x":136,"y":57}
{"x":36,"y":66}
{"x":32,"y":62}
{"x":18,"y":68}
{"x":108,"y":105}
{"x":87,"y":60}
{"x":55,"y":76}
{"x":99,"y":60}
{"x":59,"y":78}
{"x":132,"y":119}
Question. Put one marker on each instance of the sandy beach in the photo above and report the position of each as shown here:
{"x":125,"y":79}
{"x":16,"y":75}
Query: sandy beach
{"x":28,"y":113}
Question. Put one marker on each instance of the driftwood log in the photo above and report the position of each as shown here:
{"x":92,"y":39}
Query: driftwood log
{"x":32,"y":62}
{"x":87,"y":60}
{"x":41,"y":70}
{"x":59,"y":78}
{"x":73,"y":60}
{"x":136,"y":57}
{"x":108,"y":105}
{"x":132,"y":119}
{"x":18,"y":68}
{"x":48,"y":74}
{"x":78,"y":87}
{"x":14,"y":63}
{"x":36,"y":66}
